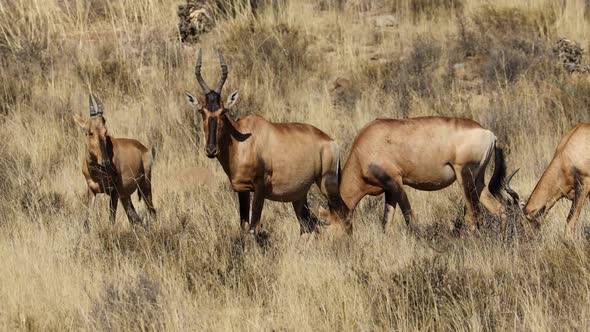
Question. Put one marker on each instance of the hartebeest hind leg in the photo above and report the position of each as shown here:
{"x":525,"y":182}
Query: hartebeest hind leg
{"x":490,"y":202}
{"x":307,"y":220}
{"x":145,"y":185}
{"x":130,"y":210}
{"x":145,"y":192}
{"x":466,"y":179}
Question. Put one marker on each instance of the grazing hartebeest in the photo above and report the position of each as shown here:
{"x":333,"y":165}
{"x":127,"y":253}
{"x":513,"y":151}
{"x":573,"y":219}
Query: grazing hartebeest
{"x":427,"y":153}
{"x":115,"y":166}
{"x":276,"y":161}
{"x":568,"y":175}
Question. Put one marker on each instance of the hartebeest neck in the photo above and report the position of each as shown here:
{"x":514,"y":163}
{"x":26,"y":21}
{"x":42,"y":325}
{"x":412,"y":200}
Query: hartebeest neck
{"x":551,"y":187}
{"x":228,"y":144}
{"x":351,"y":188}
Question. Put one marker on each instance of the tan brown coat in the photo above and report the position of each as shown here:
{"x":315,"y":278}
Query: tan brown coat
{"x":427,"y":153}
{"x":115,"y":166}
{"x":275,"y":161}
{"x":567,"y":176}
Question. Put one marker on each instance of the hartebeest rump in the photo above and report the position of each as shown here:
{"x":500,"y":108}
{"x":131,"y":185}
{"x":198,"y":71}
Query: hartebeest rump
{"x":427,"y":153}
{"x":115,"y":166}
{"x":568,"y":175}
{"x":275,"y":161}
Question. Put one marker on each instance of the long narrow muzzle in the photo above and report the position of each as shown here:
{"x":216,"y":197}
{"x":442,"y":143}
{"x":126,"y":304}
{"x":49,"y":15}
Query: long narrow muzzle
{"x":212,"y":139}
{"x":104,"y":152}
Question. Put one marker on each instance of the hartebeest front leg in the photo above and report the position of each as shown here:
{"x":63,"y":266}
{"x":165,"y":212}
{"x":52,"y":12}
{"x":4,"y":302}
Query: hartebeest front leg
{"x":395,"y":193}
{"x":389,"y":209}
{"x":244,"y":201}
{"x":113,"y":207}
{"x":257,"y":205}
{"x":91,"y":198}
{"x":581,"y":192}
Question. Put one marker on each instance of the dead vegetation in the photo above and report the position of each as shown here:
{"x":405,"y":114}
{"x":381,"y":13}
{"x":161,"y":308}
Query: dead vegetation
{"x":326,"y":63}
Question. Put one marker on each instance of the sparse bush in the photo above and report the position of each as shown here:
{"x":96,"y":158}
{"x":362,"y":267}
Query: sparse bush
{"x":410,"y":76}
{"x":270,"y":54}
{"x":110,"y":71}
{"x":132,"y":305}
{"x":415,"y":9}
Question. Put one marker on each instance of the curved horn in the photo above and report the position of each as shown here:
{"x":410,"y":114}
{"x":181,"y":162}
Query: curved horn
{"x":200,"y":79}
{"x":98,"y":105}
{"x":224,"y":72}
{"x":510,"y":191}
{"x":91,"y":104}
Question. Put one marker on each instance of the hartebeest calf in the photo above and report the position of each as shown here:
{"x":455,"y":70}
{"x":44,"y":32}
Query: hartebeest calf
{"x":275,"y":161}
{"x":568,"y":175}
{"x":427,"y":153}
{"x":115,"y":166}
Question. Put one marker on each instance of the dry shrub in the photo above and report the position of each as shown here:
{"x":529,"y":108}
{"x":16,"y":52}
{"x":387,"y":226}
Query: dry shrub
{"x":410,"y":76}
{"x":415,"y":9}
{"x":570,"y":98}
{"x":110,"y":71}
{"x":504,"y":43}
{"x":130,"y":305}
{"x":270,"y":54}
{"x":19,"y":68}
{"x":510,"y":20}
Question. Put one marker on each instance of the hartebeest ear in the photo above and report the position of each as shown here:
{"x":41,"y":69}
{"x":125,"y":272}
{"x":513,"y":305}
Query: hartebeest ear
{"x":231,"y":100}
{"x":81,"y":122}
{"x":193,"y":101}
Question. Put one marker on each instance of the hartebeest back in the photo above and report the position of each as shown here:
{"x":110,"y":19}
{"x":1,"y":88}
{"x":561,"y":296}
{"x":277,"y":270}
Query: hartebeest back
{"x":276,"y":161}
{"x":427,"y":153}
{"x":115,"y":166}
{"x":568,"y":175}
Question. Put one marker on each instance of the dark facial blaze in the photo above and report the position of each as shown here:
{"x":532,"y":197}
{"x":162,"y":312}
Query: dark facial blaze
{"x":212,"y":117}
{"x":97,"y":137}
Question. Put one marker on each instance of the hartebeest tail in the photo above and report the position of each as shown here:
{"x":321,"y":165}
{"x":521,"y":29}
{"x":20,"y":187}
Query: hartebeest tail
{"x":115,"y":166}
{"x":568,"y":175}
{"x":276,"y":161}
{"x":496,"y":181}
{"x":427,"y":153}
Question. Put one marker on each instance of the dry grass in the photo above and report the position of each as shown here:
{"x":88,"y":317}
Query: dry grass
{"x":471,"y":58}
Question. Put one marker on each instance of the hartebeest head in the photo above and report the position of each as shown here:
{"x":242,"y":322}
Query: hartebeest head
{"x":211,"y":107}
{"x":536,"y":206}
{"x":96,"y":133}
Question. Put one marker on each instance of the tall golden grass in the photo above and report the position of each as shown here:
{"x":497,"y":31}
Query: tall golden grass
{"x":490,"y":61}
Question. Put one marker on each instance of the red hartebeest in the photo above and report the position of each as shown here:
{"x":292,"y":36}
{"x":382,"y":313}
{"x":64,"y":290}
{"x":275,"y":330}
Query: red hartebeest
{"x":115,"y":166}
{"x":427,"y":153}
{"x":275,"y":161}
{"x":568,"y":175}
